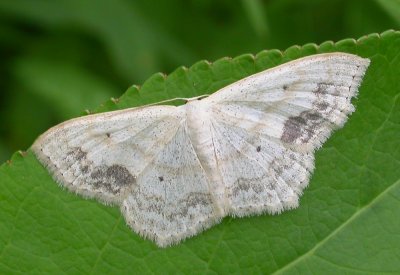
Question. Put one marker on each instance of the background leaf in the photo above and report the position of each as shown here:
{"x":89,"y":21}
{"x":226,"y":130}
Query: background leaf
{"x":392,"y":7}
{"x":347,"y":221}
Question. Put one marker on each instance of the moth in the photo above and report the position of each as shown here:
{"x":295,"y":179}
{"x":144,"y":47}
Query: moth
{"x":247,"y":149}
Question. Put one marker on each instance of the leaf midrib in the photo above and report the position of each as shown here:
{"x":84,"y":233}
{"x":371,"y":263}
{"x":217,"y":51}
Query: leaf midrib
{"x":360,"y":211}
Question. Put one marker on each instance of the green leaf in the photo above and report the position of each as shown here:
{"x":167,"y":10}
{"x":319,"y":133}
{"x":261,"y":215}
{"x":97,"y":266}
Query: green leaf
{"x":347,"y":222}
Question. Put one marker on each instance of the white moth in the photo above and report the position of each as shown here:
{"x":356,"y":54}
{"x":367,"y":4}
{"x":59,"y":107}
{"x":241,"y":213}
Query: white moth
{"x":246,"y":149}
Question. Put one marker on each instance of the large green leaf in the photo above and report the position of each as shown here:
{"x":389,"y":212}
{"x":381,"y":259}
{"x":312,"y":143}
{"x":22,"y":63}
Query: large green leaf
{"x":348,"y":219}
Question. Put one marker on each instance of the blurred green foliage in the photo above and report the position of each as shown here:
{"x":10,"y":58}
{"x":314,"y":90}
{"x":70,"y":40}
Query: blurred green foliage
{"x":59,"y":58}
